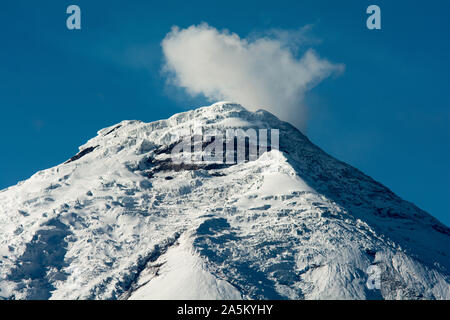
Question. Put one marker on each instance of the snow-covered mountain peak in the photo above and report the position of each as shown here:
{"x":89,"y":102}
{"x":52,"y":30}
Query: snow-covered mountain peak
{"x":121,"y":219}
{"x":219,"y":115}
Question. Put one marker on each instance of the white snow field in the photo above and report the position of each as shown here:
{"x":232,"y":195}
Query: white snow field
{"x":120,"y":221}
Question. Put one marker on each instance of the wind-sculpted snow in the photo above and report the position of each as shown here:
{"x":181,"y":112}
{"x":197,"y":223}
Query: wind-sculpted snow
{"x":120,"y":220}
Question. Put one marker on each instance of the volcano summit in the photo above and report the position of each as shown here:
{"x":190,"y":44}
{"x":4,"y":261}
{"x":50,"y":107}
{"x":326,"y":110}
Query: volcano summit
{"x":122,"y":220}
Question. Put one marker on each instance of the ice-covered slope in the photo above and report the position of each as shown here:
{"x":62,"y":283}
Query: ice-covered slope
{"x":118,"y":221}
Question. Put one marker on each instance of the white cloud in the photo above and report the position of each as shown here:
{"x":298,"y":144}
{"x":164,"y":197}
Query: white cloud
{"x":263,"y":72}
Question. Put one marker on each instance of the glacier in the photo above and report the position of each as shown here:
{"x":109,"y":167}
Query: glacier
{"x":117,"y":221}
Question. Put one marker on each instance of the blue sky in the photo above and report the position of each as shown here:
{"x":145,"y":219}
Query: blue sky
{"x":388,"y":114}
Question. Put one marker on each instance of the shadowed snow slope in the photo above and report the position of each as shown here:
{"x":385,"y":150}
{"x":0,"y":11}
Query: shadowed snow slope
{"x":120,"y":221}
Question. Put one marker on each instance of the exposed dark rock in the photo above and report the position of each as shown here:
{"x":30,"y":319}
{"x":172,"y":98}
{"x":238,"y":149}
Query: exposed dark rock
{"x":81,"y":154}
{"x":113,"y":129}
